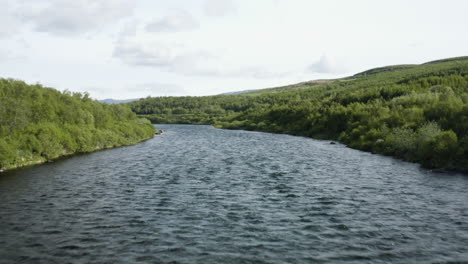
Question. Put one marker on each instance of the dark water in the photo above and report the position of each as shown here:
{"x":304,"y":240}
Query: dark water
{"x":202,"y":195}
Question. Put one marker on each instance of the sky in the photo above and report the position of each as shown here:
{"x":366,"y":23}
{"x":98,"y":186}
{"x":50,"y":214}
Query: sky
{"x":124,"y":49}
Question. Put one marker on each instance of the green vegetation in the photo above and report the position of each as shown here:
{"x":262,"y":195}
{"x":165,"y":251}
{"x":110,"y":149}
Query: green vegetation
{"x":39,"y":124}
{"x":417,"y":113}
{"x":385,"y":69}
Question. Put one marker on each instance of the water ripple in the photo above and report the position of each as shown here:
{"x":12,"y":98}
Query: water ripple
{"x":202,"y":195}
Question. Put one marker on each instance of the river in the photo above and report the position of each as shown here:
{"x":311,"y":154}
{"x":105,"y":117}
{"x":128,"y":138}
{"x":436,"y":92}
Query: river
{"x":197,"y":194}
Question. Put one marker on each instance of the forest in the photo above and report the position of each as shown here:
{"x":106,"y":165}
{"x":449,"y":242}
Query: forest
{"x":417,"y":113}
{"x":39,"y":124}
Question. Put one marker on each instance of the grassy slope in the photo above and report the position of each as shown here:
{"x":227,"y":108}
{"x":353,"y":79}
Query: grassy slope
{"x":296,"y":86}
{"x":391,"y":68}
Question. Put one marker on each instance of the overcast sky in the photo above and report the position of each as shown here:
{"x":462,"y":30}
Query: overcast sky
{"x":135,"y":48}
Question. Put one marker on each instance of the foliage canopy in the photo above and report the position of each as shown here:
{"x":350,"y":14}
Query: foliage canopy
{"x":39,"y":124}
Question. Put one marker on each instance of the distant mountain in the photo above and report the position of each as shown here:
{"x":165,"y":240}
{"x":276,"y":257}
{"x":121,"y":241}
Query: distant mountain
{"x":114,"y":101}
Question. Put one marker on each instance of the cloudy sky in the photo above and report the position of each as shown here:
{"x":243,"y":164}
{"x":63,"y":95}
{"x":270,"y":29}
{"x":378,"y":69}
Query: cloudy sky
{"x":135,"y":48}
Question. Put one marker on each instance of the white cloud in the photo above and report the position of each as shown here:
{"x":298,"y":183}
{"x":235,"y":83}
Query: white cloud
{"x":180,"y":59}
{"x":9,"y":25}
{"x":327,"y":65}
{"x":129,"y":29}
{"x":7,"y":54}
{"x":64,"y":17}
{"x":219,"y":8}
{"x":162,"y":55}
{"x":168,"y":56}
{"x":178,"y":20}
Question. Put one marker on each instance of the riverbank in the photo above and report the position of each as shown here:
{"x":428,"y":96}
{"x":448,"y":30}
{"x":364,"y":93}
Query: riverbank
{"x":34,"y":160}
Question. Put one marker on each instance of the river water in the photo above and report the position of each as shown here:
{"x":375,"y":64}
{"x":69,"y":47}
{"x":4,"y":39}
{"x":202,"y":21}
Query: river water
{"x":197,"y":194}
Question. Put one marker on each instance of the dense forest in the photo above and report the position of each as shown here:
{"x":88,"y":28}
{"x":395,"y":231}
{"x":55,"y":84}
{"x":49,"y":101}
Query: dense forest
{"x":417,"y":113}
{"x":38,"y":124}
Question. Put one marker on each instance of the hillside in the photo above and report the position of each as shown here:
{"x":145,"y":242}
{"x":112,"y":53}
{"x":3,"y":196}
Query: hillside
{"x":459,"y":59}
{"x":385,"y":69}
{"x":417,"y":113}
{"x":38,"y":124}
{"x":296,"y":86}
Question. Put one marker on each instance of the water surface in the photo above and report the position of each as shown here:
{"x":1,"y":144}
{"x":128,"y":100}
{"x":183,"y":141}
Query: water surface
{"x":202,"y":195}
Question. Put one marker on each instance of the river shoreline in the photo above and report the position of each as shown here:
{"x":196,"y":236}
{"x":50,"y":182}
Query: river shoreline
{"x":433,"y":169}
{"x":39,"y":160}
{"x":325,"y":137}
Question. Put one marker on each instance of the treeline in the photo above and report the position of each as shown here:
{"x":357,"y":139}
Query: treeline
{"x":39,"y":124}
{"x":417,"y":113}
